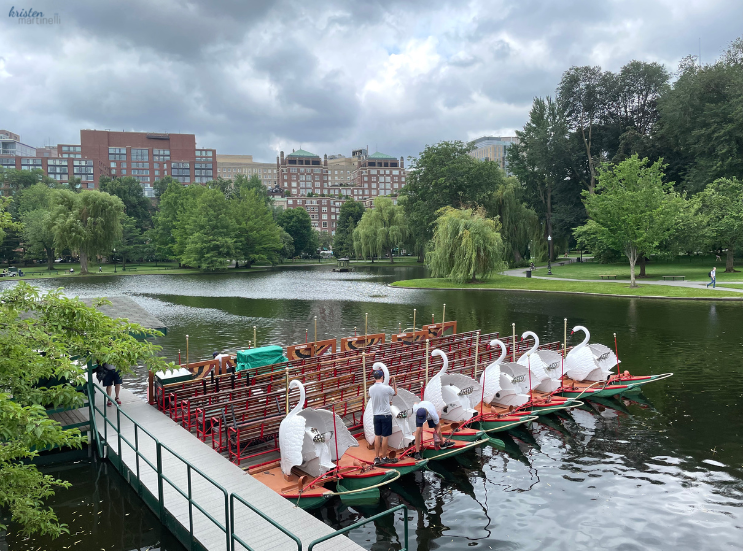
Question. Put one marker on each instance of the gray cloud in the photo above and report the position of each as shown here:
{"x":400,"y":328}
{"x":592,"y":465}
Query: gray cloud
{"x":253,"y":77}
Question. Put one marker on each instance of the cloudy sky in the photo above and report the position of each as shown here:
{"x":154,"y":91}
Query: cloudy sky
{"x":254,"y":77}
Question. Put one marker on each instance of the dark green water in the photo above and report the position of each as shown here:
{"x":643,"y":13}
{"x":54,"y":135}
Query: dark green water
{"x":662,"y":472}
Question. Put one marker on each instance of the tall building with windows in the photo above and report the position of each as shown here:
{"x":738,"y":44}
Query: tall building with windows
{"x":232,"y":165}
{"x":493,"y":148}
{"x":10,"y":144}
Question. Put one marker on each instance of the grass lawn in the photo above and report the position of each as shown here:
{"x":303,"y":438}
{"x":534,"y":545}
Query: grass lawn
{"x":591,"y":287}
{"x":695,"y":269}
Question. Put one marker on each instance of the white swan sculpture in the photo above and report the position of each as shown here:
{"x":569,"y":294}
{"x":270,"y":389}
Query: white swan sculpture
{"x":589,"y":362}
{"x":402,"y":415}
{"x":545,"y":366}
{"x":307,"y":438}
{"x":453,"y":395}
{"x":505,"y":383}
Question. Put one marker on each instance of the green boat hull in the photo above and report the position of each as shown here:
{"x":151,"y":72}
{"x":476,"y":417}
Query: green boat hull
{"x":499,"y":426}
{"x":436,"y":455}
{"x":409,"y":468}
{"x":309,"y":503}
{"x":552,"y":409}
{"x":353,"y":483}
{"x":479,"y":435}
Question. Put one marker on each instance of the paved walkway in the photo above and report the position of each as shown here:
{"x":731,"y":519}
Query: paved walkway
{"x":521,"y":272}
{"x":255,"y":531}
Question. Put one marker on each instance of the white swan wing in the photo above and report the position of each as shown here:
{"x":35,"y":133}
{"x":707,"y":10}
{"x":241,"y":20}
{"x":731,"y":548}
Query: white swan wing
{"x":291,"y":440}
{"x":369,"y":424}
{"x":553,"y":363}
{"x":519,"y":375}
{"x":536,"y":366}
{"x":490,"y":382}
{"x":433,"y":393}
{"x":468,"y":387}
{"x":579,"y":363}
{"x":604,"y":356}
{"x":322,"y":420}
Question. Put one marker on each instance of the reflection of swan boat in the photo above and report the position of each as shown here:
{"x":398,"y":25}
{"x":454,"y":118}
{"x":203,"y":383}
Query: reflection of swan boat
{"x":310,"y":442}
{"x":588,"y":372}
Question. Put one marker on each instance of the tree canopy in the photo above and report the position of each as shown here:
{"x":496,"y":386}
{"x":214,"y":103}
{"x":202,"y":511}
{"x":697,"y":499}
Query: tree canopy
{"x":721,"y":210}
{"x":465,"y":243}
{"x":350,"y":213}
{"x":380,"y":230}
{"x":298,"y":224}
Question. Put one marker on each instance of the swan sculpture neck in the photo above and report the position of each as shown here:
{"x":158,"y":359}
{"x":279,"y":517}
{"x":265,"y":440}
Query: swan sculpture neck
{"x":380,"y":365}
{"x":498,"y":342}
{"x":536,"y":341}
{"x":300,"y":405}
{"x":441,"y":353}
{"x":585,"y":341}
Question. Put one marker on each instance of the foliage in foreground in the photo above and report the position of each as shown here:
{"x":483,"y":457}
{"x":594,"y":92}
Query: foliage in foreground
{"x":31,"y":381}
{"x":465,"y":243}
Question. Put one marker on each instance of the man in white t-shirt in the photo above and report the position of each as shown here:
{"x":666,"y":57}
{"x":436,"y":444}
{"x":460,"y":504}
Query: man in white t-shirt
{"x":380,"y":395}
{"x":426,"y":412}
{"x":223,"y":362}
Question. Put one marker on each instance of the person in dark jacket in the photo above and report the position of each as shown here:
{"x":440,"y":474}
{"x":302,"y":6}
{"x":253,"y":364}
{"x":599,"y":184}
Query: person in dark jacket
{"x":111,"y":377}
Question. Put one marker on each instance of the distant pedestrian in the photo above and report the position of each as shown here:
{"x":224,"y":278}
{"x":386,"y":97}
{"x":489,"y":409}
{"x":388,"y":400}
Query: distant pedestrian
{"x":100,"y":269}
{"x":72,"y":270}
{"x":380,"y":395}
{"x":111,"y":377}
{"x":713,"y":276}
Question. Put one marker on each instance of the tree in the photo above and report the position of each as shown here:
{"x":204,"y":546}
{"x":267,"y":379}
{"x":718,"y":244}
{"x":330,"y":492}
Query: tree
{"x":207,"y":231}
{"x":131,"y":243}
{"x":443,"y":175}
{"x":539,"y":159}
{"x":298,"y":224}
{"x":17,"y":180}
{"x":38,"y":235}
{"x":380,"y":230}
{"x":257,"y":237}
{"x":349,"y":215}
{"x":631,"y":211}
{"x":242,"y":185}
{"x":136,"y":205}
{"x":721,"y":209}
{"x":88,"y":222}
{"x":173,"y":206}
{"x":287,"y":244}
{"x":465,"y":243}
{"x":161,"y":185}
{"x":324,"y":240}
{"x":63,"y":328}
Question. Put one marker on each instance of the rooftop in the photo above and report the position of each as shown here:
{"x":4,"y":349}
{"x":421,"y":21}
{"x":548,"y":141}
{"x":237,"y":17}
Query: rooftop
{"x":379,"y":155}
{"x":302,"y":153}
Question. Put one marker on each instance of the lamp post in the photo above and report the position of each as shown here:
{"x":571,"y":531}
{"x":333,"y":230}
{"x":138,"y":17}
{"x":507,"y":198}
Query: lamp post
{"x":549,"y":255}
{"x":114,"y":260}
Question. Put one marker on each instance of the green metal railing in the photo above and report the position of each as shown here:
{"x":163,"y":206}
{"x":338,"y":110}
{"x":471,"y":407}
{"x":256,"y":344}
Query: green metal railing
{"x":367,"y":521}
{"x":236,"y":539}
{"x":159,"y":504}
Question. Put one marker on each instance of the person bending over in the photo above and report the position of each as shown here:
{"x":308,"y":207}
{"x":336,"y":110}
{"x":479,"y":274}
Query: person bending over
{"x":426,"y":412}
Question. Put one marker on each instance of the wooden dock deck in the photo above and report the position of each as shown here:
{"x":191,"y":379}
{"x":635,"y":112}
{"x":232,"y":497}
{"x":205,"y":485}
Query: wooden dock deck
{"x":259,"y":534}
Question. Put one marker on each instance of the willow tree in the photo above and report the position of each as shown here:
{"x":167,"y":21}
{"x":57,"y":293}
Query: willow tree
{"x":465,"y":243}
{"x":88,"y":222}
{"x":380,"y":230}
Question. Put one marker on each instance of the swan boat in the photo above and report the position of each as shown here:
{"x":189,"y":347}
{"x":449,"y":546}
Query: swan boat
{"x":588,"y":372}
{"x":311,"y":441}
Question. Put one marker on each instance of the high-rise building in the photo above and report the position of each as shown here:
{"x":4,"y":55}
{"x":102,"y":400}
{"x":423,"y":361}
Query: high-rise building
{"x":10,"y":144}
{"x":232,"y":165}
{"x":377,"y":174}
{"x":493,"y":148}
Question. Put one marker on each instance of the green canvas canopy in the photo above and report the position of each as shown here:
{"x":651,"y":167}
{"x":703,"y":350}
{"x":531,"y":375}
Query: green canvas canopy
{"x":254,"y":358}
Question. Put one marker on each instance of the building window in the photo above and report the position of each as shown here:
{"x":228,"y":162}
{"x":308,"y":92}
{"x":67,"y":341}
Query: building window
{"x":157,"y":173}
{"x":117,"y":154}
{"x":140,"y":155}
{"x":161,"y":154}
{"x":140,"y":165}
{"x":113,"y":165}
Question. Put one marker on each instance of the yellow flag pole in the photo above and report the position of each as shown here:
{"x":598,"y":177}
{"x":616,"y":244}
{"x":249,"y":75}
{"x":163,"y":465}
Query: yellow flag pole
{"x":287,"y":390}
{"x":513,"y":353}
{"x":477,"y":351}
{"x":363,"y":364}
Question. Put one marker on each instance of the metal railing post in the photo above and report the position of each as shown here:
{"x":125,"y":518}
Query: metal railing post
{"x":160,"y":479}
{"x":190,"y":503}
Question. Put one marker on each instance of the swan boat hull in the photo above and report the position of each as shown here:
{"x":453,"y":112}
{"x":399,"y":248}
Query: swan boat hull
{"x":429,"y":451}
{"x":463,"y":434}
{"x":308,"y":498}
{"x":490,"y":423}
{"x":364,"y":455}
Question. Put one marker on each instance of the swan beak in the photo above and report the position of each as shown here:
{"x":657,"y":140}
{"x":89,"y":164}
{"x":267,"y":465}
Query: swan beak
{"x":572,"y":332}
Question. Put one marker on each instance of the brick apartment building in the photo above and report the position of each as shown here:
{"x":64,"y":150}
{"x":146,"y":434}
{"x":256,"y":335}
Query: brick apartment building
{"x":323,"y":211}
{"x":233,"y":165}
{"x":144,"y":155}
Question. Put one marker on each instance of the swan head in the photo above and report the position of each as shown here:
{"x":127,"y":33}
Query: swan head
{"x":533,"y":335}
{"x":444,"y":357}
{"x":300,"y":405}
{"x":501,"y":344}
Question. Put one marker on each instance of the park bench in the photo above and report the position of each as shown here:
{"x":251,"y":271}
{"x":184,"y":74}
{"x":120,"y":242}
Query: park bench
{"x":608,"y":276}
{"x":674,"y":278}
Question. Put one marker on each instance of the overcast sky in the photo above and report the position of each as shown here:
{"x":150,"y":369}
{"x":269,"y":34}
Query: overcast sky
{"x":254,"y":77}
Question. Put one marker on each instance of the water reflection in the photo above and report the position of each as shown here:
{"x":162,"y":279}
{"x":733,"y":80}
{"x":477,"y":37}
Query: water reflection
{"x":659,"y":470}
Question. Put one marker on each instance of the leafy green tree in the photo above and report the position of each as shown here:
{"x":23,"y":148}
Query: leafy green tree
{"x":465,"y":243}
{"x":167,"y":236}
{"x":136,"y":205}
{"x":699,"y":127}
{"x":349,"y":215}
{"x":131,"y":244}
{"x":257,"y":237}
{"x":287,"y":244}
{"x":242,"y":185}
{"x":298,"y":224}
{"x":63,"y":328}
{"x":88,"y":222}
{"x":721,"y":209}
{"x":207,"y":231}
{"x":17,"y":180}
{"x":631,"y":211}
{"x":325,"y":240}
{"x":380,"y":230}
{"x":38,"y":235}
{"x":161,"y":185}
{"x":443,"y":175}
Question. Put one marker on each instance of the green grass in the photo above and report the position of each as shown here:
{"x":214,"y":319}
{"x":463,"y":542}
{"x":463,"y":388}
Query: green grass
{"x":590,"y":287}
{"x":695,"y":269}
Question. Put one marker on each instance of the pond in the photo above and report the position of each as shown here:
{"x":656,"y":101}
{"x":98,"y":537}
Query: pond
{"x":664,"y":471}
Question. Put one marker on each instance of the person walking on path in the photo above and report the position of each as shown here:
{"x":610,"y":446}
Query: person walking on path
{"x":426,"y":412}
{"x":380,"y":395}
{"x":713,"y":275}
{"x":111,"y":377}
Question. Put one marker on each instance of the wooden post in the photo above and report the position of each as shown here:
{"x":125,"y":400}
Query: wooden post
{"x":443,"y":316}
{"x":363,"y":365}
{"x":414,"y":312}
{"x":255,"y":337}
{"x":314,"y":344}
{"x":513,"y":352}
{"x":427,"y":345}
{"x":565,"y":337}
{"x":186,"y":351}
{"x":287,"y":391}
{"x":477,"y":351}
{"x":366,"y":328}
